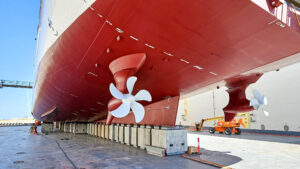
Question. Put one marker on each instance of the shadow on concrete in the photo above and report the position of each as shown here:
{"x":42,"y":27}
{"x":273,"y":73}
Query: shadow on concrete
{"x":218,"y":157}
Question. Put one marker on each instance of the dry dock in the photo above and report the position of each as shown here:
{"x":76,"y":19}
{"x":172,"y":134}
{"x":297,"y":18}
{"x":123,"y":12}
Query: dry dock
{"x":250,"y":150}
{"x":19,"y":149}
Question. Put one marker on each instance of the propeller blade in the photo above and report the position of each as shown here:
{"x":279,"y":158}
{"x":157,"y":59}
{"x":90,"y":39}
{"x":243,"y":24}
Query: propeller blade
{"x":256,"y":94}
{"x":254,"y":103}
{"x":265,"y":101}
{"x":266,"y":113}
{"x":260,"y":98}
{"x":130,"y":83}
{"x":143,"y":95}
{"x":115,"y":92}
{"x":138,"y":111}
{"x":121,"y":111}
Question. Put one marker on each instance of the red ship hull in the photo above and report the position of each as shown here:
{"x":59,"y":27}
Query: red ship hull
{"x":189,"y":45}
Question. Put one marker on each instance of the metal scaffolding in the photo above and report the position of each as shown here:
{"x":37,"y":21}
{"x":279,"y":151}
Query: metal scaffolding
{"x":15,"y":84}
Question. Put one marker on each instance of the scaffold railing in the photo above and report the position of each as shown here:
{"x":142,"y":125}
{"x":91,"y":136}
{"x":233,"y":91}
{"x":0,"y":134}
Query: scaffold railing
{"x":15,"y":84}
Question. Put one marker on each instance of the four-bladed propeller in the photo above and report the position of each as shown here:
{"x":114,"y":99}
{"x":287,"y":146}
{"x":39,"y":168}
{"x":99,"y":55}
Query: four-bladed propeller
{"x":129,"y":101}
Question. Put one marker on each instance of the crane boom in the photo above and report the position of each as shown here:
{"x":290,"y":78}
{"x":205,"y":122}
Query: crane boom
{"x":218,"y":118}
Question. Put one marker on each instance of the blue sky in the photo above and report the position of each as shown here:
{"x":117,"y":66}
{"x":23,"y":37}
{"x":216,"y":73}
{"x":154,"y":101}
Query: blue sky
{"x":18,"y":30}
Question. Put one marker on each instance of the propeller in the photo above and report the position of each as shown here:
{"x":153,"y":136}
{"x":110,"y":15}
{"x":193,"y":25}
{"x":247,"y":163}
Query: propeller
{"x":129,"y":101}
{"x":258,"y":101}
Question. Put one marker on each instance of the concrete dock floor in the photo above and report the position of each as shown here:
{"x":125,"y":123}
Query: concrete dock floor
{"x":250,"y":150}
{"x":19,"y":149}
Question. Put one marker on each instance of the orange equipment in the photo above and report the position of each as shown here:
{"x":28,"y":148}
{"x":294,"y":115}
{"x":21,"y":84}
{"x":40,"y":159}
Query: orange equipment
{"x":34,"y":126}
{"x":36,"y":122}
{"x":227,"y":127}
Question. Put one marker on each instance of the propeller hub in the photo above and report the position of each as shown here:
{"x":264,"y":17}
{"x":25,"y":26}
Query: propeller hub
{"x":128,"y":98}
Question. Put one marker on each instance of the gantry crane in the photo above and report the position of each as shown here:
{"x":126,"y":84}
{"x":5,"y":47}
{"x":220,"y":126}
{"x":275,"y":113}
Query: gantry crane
{"x":15,"y":84}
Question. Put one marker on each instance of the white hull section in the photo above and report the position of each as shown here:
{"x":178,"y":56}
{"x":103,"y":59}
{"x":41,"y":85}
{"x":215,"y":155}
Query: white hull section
{"x":55,"y":17}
